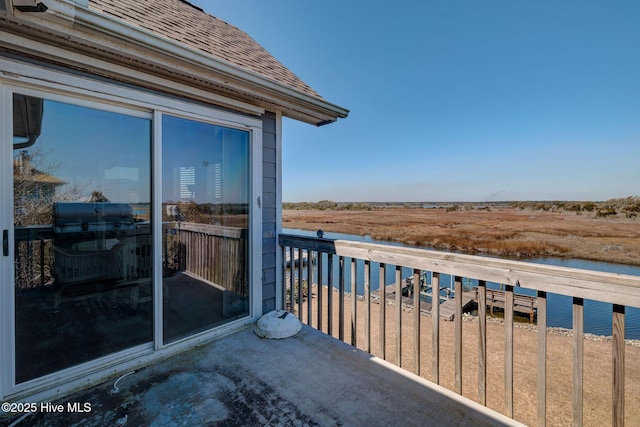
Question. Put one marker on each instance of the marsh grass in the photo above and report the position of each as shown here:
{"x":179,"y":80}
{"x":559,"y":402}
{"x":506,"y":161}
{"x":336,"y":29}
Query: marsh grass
{"x":508,"y":232}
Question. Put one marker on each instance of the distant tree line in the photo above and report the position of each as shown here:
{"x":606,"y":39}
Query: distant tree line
{"x":324,"y":205}
{"x":627,"y":207}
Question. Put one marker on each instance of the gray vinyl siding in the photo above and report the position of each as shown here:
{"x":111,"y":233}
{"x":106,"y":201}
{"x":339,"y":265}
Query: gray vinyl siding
{"x":269,"y":188}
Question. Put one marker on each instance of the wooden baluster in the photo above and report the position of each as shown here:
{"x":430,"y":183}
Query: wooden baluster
{"x":330,"y":294}
{"x":458,"y":333}
{"x":367,"y":306}
{"x":482,"y":341}
{"x":341,"y":299}
{"x":283,"y":297}
{"x":618,"y":365}
{"x":416,"y":322}
{"x":292,"y":283}
{"x":578,"y":360}
{"x":354,"y":302}
{"x":508,"y":350}
{"x":542,"y":359}
{"x":399,"y":315}
{"x":309,"y":287}
{"x":383,"y":310}
{"x":435,"y":318}
{"x":300,"y":277}
{"x":320,"y":290}
{"x":42,"y":278}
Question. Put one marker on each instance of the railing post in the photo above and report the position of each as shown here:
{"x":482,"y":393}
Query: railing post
{"x":618,"y":365}
{"x":542,"y":359}
{"x":578,"y":360}
{"x":482,"y":342}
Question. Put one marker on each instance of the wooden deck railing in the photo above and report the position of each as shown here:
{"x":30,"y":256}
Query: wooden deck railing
{"x":620,"y":290}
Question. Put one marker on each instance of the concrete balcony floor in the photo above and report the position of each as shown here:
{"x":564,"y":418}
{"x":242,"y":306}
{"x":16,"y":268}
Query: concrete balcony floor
{"x":243,"y":380}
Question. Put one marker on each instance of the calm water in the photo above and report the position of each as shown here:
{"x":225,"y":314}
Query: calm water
{"x":597,"y":315}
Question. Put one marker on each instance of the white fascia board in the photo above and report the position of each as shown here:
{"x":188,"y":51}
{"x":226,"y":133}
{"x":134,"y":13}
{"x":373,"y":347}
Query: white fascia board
{"x":132,"y":40}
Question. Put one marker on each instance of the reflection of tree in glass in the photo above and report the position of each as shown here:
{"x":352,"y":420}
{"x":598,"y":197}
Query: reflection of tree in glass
{"x":35,"y":190}
{"x":97,"y":196}
{"x":225,"y":214}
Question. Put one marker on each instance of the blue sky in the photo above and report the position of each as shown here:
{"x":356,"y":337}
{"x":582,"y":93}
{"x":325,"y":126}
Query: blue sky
{"x":458,"y":100}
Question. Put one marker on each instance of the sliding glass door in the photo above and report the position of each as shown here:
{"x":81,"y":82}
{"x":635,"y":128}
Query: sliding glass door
{"x":108,"y":254}
{"x":82,"y":233}
{"x":205,"y":211}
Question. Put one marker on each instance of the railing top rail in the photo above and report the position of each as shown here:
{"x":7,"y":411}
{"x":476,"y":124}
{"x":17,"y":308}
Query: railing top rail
{"x":26,"y":233}
{"x":613,"y":288}
{"x":210,"y":229}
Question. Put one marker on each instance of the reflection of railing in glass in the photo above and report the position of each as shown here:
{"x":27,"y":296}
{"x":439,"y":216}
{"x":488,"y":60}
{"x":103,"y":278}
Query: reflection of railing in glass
{"x":214,"y":253}
{"x":34,"y":256}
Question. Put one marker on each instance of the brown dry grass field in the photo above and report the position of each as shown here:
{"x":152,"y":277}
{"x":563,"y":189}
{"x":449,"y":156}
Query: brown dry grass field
{"x":502,"y":232}
{"x":597,"y":362}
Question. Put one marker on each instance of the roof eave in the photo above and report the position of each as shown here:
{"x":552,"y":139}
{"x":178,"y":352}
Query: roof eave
{"x":104,"y":36}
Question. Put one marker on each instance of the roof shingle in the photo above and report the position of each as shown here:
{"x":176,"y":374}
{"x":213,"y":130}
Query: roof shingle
{"x":189,"y":25}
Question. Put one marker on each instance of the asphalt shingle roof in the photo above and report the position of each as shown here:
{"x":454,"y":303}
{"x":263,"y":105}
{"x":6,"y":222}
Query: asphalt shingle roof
{"x":189,"y":25}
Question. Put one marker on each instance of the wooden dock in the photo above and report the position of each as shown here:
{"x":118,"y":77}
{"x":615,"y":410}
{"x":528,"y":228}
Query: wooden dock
{"x":448,"y":308}
{"x":521,"y":303}
{"x":495,"y":299}
{"x":407,"y":302}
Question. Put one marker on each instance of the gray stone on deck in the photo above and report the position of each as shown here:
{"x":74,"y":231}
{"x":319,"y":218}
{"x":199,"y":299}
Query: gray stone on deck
{"x":243,"y":380}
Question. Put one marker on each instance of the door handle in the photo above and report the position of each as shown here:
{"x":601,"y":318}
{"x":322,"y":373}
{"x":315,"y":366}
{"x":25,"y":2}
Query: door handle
{"x":5,"y":242}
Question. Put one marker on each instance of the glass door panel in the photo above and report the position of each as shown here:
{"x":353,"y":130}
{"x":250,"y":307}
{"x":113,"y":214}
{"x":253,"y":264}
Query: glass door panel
{"x":83,"y":254}
{"x":205,"y":211}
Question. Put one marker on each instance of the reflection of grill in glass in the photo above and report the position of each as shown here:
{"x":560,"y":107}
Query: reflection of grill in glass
{"x":82,"y":218}
{"x":97,"y":245}
{"x":84,"y":233}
